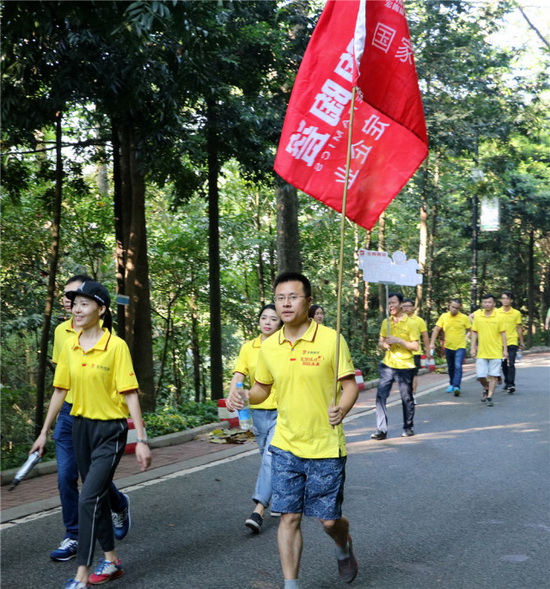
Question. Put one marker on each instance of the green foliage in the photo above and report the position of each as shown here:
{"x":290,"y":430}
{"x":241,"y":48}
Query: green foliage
{"x":186,"y":416}
{"x":17,"y":421}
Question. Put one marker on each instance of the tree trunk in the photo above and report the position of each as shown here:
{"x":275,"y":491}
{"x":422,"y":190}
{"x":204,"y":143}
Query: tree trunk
{"x":531,"y":288}
{"x":132,"y":260}
{"x":50,"y":296}
{"x":216,"y":363}
{"x":288,"y":234}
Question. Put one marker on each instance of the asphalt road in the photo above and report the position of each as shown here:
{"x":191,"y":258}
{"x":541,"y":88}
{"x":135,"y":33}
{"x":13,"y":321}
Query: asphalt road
{"x":462,"y":505}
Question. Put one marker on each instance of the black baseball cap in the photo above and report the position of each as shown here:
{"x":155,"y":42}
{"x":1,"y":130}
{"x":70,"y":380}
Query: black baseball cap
{"x":93,"y":290}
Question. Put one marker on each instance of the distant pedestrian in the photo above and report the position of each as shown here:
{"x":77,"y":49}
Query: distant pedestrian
{"x":514,"y":339}
{"x":488,"y":346}
{"x":67,"y":470}
{"x":308,"y":448}
{"x":409,"y":307}
{"x":264,"y":415}
{"x":97,"y":368}
{"x":396,"y":366}
{"x":456,"y":327}
{"x":317,"y":313}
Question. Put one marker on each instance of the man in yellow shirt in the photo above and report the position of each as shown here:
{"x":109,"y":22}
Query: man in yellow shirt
{"x":489,"y":331}
{"x":398,"y":365}
{"x":308,"y":447}
{"x":455,"y":326}
{"x":514,"y":338}
{"x":408,"y":307}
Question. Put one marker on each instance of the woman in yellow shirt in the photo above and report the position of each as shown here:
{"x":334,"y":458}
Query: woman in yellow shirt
{"x":97,"y":368}
{"x":264,"y":415}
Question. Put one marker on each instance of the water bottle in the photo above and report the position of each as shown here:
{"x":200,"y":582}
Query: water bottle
{"x":518,"y":355}
{"x":31,"y":461}
{"x":245,"y":414}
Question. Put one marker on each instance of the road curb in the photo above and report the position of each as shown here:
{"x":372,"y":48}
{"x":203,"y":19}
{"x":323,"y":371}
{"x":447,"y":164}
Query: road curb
{"x":49,"y":467}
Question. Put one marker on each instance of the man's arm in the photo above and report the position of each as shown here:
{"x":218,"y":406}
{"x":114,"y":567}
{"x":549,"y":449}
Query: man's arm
{"x":473,"y":344}
{"x":411,"y":346}
{"x":350,"y":392}
{"x":504,"y":345}
{"x":256,"y":395}
{"x":435,"y":334}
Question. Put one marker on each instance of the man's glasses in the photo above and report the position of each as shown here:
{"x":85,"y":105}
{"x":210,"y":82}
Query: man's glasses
{"x":291,"y":298}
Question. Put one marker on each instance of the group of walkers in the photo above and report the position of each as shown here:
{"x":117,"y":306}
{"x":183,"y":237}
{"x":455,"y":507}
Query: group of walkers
{"x":496,"y":336}
{"x":299,"y":392}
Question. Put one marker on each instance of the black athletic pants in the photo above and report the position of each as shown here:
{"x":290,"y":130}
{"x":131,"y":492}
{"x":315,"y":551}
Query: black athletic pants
{"x":99,"y":446}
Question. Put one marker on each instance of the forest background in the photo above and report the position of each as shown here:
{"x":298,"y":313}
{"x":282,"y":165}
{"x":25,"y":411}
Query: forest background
{"x":138,"y":141}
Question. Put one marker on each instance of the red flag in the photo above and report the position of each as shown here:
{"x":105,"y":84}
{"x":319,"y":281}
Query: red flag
{"x":366,"y":43}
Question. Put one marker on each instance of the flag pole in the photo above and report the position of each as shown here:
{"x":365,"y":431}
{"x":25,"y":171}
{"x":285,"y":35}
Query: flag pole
{"x":341,"y":258}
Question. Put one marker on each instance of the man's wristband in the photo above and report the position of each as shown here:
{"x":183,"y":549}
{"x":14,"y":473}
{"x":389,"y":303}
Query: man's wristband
{"x":144,"y":441}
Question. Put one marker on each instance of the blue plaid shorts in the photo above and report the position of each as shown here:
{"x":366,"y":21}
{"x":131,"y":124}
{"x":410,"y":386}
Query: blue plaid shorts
{"x":312,"y":486}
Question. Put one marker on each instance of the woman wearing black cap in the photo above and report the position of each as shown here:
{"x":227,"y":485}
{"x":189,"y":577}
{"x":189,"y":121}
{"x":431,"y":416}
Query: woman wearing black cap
{"x":97,"y":367}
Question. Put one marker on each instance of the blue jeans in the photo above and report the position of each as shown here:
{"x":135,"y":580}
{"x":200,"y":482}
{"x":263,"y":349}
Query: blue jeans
{"x":509,"y":367}
{"x":404,"y":378}
{"x":67,"y":471}
{"x":455,"y":359}
{"x":264,"y":428}
{"x":67,"y":474}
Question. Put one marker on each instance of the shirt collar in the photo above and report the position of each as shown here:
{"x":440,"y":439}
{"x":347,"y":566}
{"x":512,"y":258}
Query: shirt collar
{"x":308,"y":336}
{"x":100,"y":345}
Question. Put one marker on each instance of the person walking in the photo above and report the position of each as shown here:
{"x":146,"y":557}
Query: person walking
{"x":96,"y":367}
{"x":308,"y":447}
{"x":488,"y":346}
{"x":67,"y":470}
{"x":264,"y":415}
{"x":514,"y":339}
{"x":409,"y":308}
{"x":396,"y":366}
{"x":456,"y":327}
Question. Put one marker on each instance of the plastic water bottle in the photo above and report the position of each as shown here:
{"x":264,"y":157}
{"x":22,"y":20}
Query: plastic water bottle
{"x":245,"y":414}
{"x":31,"y":461}
{"x":518,"y":355}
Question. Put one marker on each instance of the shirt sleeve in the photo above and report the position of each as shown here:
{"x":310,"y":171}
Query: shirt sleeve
{"x":62,"y":376}
{"x":414,"y":332}
{"x":263,"y":374}
{"x":125,"y":377}
{"x":241,"y":363}
{"x":441,"y":322}
{"x":345,"y":364}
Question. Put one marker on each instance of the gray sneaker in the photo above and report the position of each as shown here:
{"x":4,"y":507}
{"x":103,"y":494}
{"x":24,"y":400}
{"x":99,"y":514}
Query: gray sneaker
{"x":348,"y":567}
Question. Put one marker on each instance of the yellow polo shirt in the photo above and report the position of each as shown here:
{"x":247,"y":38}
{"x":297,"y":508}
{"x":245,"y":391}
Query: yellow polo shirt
{"x":303,"y":372}
{"x":97,"y":377}
{"x":407,"y":329}
{"x":422,"y":327}
{"x":511,"y":320}
{"x":488,"y":329}
{"x":455,"y":328}
{"x":62,"y":333}
{"x":246,"y":364}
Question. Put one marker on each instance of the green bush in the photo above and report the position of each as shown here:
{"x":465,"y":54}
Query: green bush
{"x":17,"y":422}
{"x":170,"y":420}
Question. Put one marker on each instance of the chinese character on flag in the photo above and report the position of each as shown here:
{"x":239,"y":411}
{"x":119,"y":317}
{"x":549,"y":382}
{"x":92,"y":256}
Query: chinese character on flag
{"x":362,"y":43}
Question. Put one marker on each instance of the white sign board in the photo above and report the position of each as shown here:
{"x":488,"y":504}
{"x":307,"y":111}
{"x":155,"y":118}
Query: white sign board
{"x":379,"y":267}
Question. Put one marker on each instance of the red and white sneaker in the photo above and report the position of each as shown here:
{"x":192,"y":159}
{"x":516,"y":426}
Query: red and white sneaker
{"x":106,"y":571}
